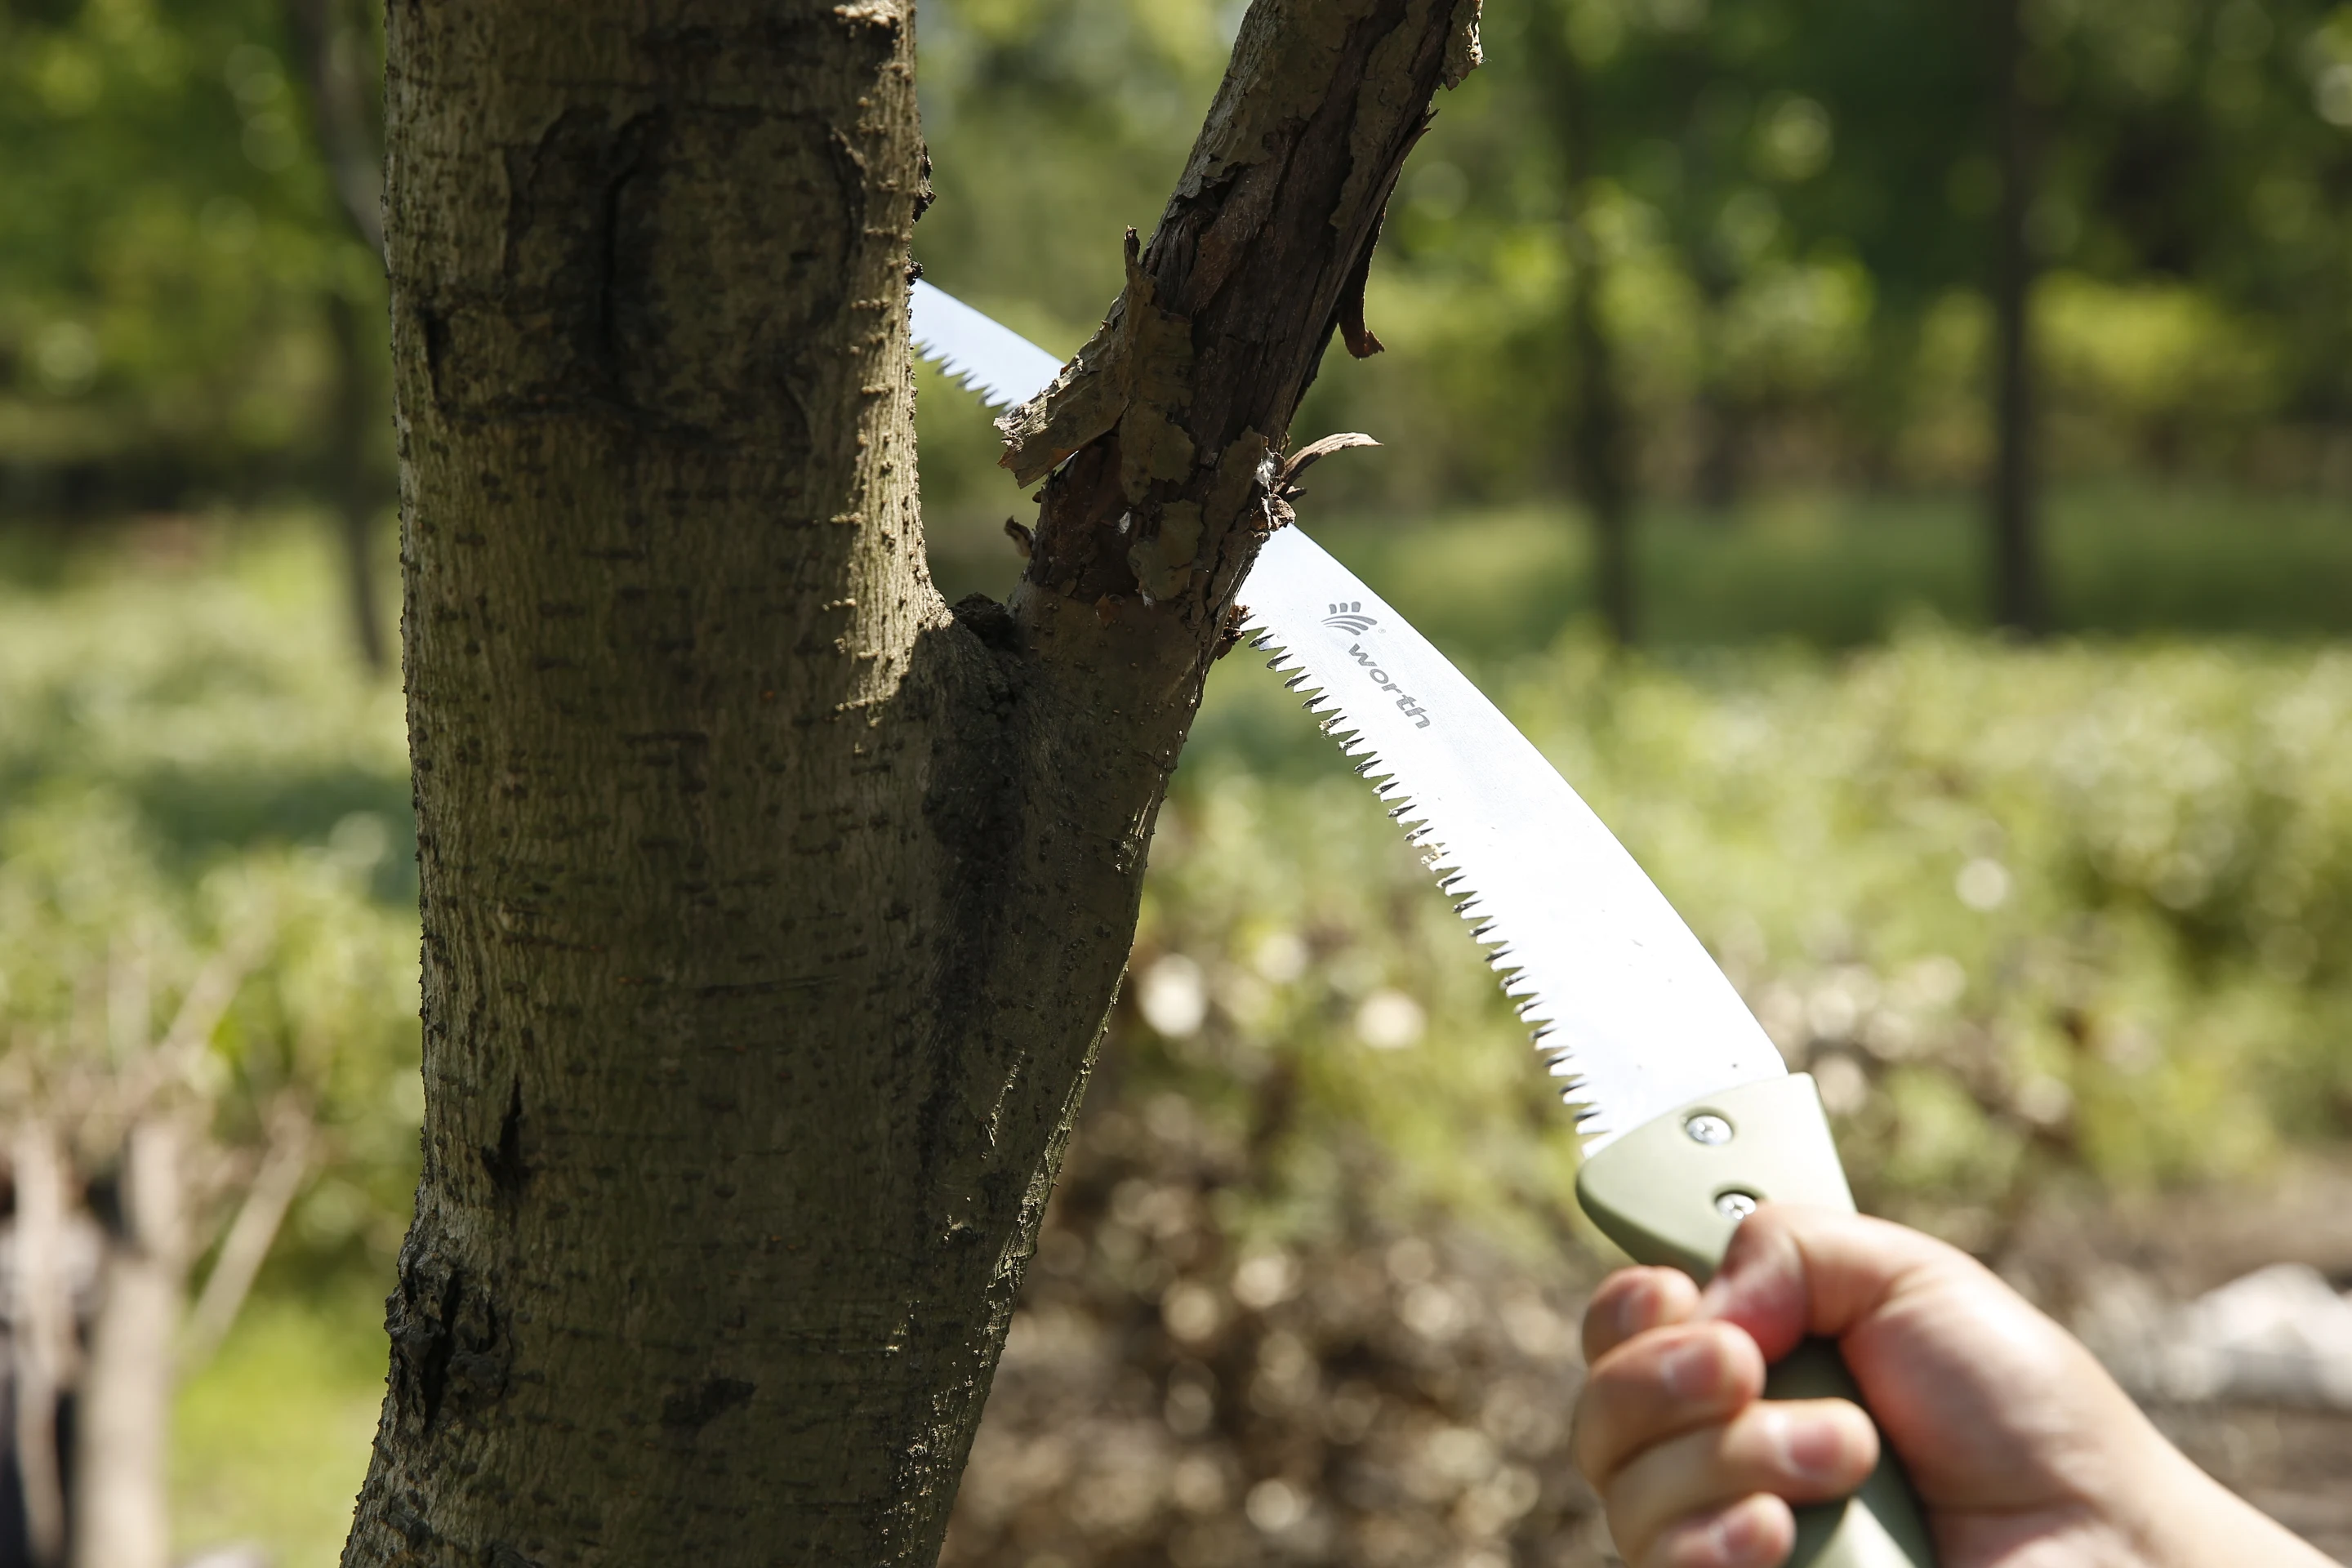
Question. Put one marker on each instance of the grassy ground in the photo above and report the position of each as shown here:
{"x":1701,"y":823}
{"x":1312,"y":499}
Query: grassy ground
{"x":1840,"y":570}
{"x":272,"y":1437}
{"x":1834,"y":570}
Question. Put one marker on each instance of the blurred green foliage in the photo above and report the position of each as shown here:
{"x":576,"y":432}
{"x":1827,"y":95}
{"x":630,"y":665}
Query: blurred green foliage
{"x":1795,"y":204}
{"x":167,"y":235}
{"x":191,"y":776}
{"x":2075,"y":914}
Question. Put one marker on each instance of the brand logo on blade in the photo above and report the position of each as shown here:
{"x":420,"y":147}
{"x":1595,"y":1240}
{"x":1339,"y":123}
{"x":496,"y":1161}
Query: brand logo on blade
{"x":1350,"y":618}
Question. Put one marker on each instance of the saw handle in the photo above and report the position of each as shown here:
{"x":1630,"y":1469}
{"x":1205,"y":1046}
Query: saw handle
{"x":1671,"y":1191}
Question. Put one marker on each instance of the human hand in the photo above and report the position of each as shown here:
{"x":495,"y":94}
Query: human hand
{"x":2024,"y":1451}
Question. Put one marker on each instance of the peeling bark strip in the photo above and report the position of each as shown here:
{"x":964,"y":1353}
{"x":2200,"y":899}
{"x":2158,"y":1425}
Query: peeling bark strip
{"x":771,"y":909}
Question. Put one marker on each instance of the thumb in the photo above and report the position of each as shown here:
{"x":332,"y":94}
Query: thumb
{"x":1794,"y":1271}
{"x":1990,"y":1403}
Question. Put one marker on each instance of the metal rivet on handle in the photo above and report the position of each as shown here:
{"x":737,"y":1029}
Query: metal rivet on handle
{"x":1708,"y":1127}
{"x":1735,"y":1206}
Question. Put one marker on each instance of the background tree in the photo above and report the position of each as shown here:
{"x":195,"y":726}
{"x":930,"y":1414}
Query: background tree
{"x":187,"y":311}
{"x":178,"y":1066}
{"x":1597,"y":443}
{"x":1313,"y":1124}
{"x":770,"y":910}
{"x":2020,"y":598}
{"x":342,"y":68}
{"x":1797,"y":205}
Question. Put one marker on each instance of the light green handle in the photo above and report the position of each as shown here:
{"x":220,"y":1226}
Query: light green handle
{"x":1671,"y":1191}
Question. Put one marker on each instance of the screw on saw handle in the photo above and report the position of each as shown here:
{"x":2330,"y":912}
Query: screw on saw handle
{"x":1672,"y":1190}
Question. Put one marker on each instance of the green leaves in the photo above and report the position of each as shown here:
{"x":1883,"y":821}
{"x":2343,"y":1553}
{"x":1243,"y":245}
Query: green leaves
{"x":165,"y":226}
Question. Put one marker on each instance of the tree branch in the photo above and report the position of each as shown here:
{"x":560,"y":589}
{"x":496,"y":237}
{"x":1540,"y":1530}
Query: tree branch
{"x":1157,"y":434}
{"x":246,"y":1246}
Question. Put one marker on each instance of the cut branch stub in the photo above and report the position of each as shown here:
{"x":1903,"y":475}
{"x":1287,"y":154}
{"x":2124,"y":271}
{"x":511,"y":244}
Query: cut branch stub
{"x":1156,"y":436}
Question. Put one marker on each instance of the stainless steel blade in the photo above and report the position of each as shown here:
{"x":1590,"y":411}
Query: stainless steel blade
{"x":991,"y":359}
{"x":1625,"y":1003}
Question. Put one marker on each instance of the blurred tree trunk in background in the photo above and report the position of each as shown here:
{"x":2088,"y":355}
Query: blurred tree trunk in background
{"x":771,"y":909}
{"x":44,"y":1347}
{"x":120,"y":1160}
{"x":121,"y":1506}
{"x":2019,"y":594}
{"x":1598,"y":437}
{"x":1724,"y":416}
{"x":350,"y":479}
{"x":1723,"y":445}
{"x":340,"y":73}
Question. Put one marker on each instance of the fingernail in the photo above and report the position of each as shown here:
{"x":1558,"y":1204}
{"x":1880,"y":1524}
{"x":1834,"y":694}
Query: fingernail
{"x":1739,"y":1539}
{"x":1811,"y":1449}
{"x":1691,"y":1371}
{"x":1636,"y":1310}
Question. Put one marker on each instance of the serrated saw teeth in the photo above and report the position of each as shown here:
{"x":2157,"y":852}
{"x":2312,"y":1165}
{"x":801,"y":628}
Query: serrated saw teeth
{"x":1568,"y":923}
{"x":1664,"y":1026}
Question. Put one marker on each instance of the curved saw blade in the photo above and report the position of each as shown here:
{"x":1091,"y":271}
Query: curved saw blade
{"x":1625,"y":1004}
{"x":983,"y":354}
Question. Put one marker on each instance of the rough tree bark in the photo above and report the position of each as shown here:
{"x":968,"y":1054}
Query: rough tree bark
{"x":772,"y":909}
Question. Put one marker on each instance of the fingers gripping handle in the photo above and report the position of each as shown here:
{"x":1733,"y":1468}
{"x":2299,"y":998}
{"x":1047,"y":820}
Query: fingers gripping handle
{"x":1672,"y":1190}
{"x":1880,"y":1526}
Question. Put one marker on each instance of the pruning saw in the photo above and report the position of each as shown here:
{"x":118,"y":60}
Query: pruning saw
{"x":1688,"y":1115}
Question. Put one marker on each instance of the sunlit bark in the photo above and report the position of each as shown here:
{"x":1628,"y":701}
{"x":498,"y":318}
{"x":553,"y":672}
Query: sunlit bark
{"x":771,"y":907}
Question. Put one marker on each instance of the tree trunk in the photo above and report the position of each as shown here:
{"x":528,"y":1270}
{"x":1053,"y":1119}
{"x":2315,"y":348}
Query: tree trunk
{"x":350,"y":424}
{"x":41,"y":1338}
{"x":1723,"y":450}
{"x":1597,"y":444}
{"x":1597,"y":437}
{"x":121,"y":1476}
{"x":339,"y":74}
{"x":330,"y":48}
{"x":2019,"y":593}
{"x":771,"y":909}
